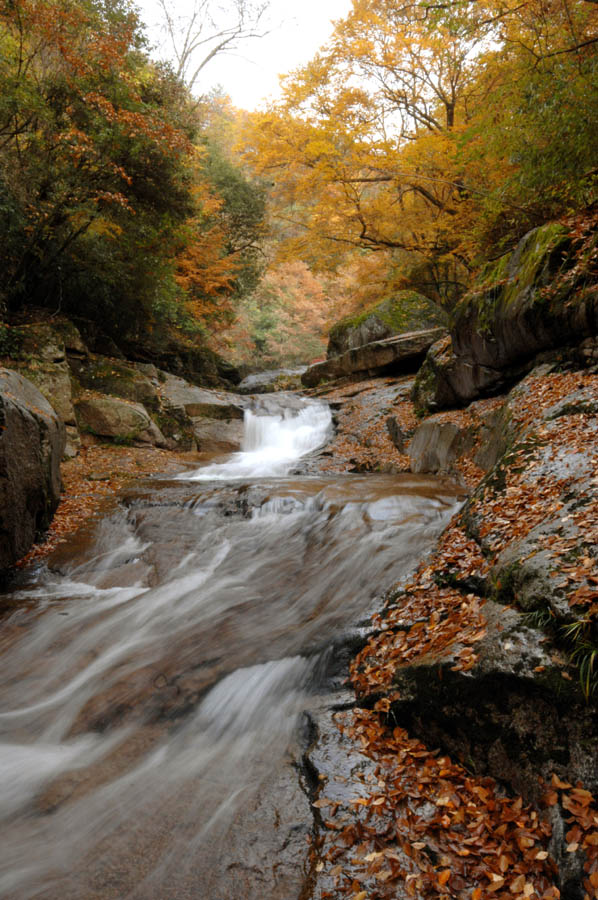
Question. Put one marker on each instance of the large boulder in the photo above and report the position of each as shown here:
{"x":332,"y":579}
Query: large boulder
{"x":524,"y":305}
{"x":119,"y":420}
{"x":404,"y":312}
{"x":113,"y":376}
{"x":216,"y":416}
{"x":32,"y":440}
{"x":40,"y":352}
{"x":401,"y":354}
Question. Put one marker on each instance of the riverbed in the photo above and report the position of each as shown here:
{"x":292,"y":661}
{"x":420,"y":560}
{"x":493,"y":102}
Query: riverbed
{"x":162,"y":673}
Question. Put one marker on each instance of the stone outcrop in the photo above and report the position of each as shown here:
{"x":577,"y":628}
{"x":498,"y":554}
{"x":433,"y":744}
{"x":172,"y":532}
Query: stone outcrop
{"x":120,"y":420}
{"x":39,"y":353}
{"x":32,"y":439}
{"x":404,"y":312}
{"x":400,"y":355}
{"x":115,"y":399}
{"x":524,"y":305}
{"x":436,"y":445}
{"x":216,"y":417}
{"x":117,"y":378}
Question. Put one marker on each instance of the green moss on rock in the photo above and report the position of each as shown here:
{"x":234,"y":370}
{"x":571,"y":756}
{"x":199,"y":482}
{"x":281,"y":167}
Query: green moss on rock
{"x":403,"y":312}
{"x":111,"y":376}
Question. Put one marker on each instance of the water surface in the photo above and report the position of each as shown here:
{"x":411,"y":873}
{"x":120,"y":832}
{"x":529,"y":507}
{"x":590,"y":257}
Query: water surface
{"x":153,"y":676}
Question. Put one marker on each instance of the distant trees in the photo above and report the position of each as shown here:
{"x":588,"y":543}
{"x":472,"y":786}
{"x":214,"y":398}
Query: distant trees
{"x":283,"y":321}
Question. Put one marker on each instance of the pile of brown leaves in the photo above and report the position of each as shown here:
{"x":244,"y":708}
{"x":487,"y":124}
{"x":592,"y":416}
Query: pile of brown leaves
{"x":424,"y":826}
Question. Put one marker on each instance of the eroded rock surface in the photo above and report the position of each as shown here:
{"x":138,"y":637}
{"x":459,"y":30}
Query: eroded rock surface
{"x":401,"y":355}
{"x":32,"y":441}
{"x":524,"y":305}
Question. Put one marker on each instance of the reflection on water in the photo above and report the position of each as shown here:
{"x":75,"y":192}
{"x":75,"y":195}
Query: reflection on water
{"x":157,"y":681}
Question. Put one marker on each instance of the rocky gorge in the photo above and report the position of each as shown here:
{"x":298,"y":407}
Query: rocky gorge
{"x":460,"y":760}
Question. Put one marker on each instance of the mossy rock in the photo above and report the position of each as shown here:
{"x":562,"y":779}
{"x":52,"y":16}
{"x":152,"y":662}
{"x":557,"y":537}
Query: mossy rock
{"x":534,"y":304}
{"x":26,"y":343}
{"x":403,"y":312}
{"x":111,"y":376}
{"x":519,"y":305}
{"x":176,"y":426}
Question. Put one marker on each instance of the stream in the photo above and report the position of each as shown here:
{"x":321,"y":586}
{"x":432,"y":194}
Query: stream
{"x":157,"y":673}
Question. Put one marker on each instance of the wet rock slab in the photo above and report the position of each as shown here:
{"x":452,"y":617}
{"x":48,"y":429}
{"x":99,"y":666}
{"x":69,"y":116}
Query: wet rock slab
{"x":400,"y":354}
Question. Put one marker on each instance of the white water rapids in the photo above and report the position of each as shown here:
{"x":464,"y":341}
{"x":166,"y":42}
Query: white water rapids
{"x":152,"y":677}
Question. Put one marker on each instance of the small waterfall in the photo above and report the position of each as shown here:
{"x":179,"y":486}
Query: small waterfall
{"x":275,"y":438}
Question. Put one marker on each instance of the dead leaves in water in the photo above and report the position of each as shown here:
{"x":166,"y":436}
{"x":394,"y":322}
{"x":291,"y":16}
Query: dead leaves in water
{"x":97,"y":473}
{"x":424,"y":827}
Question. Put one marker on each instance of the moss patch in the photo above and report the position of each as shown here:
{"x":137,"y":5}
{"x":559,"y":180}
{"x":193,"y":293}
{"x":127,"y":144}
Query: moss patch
{"x":539,"y":257}
{"x":403,"y":312}
{"x":109,"y":376}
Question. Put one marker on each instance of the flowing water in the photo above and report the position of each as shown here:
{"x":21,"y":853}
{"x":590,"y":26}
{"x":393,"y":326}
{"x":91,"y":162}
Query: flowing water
{"x":153,"y":676}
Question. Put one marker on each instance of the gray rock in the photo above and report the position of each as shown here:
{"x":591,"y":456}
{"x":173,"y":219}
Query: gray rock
{"x":53,"y":380}
{"x":116,"y":378}
{"x":495,"y":432}
{"x":216,"y":416}
{"x":436,"y":445}
{"x":217,"y":435}
{"x":400,"y":354}
{"x":31,"y":445}
{"x":396,"y":433}
{"x":40,"y":356}
{"x":149,"y":370}
{"x":117,"y":419}
{"x":179,"y":394}
{"x":505,"y":715}
{"x":513,"y":316}
{"x":70,"y":336}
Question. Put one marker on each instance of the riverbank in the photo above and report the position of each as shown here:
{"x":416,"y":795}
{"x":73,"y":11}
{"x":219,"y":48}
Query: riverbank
{"x":464,"y":764}
{"x":474,"y":731}
{"x":93,"y":479}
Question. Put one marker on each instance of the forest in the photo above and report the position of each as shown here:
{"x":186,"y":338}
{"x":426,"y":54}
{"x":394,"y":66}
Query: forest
{"x":416,"y":148}
{"x":330,"y":632}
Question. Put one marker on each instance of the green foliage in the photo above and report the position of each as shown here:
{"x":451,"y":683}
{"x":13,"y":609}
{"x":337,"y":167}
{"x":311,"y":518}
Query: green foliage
{"x":581,"y":637}
{"x":10,"y":340}
{"x":106,"y":181}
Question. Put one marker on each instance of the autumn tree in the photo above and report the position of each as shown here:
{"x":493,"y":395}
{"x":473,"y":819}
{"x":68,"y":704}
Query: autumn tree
{"x":113,"y":207}
{"x":220,"y":259}
{"x":419,"y":122}
{"x":93,"y":143}
{"x":283,"y":322}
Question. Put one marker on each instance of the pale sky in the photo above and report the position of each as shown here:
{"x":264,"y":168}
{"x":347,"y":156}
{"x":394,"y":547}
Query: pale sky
{"x":299,"y":28}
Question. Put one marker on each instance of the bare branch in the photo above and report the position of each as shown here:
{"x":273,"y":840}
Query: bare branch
{"x":210,"y":31}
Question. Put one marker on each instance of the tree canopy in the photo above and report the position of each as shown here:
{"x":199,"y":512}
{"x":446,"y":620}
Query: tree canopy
{"x":113,"y":205}
{"x":433,"y":134}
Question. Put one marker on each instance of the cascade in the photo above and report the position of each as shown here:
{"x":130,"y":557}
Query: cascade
{"x":154,"y":677}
